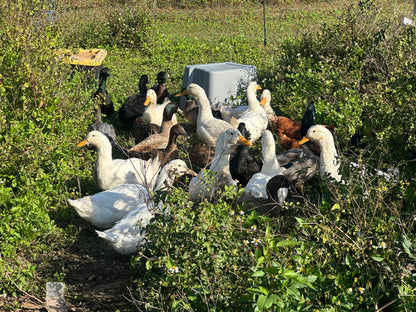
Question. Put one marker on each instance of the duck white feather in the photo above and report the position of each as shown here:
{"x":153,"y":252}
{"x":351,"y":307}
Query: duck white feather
{"x":265,"y":101}
{"x":105,"y":208}
{"x":229,"y":112}
{"x":207,"y":183}
{"x":128,"y":234}
{"x":111,"y":172}
{"x":208,"y":127}
{"x":329,"y":161}
{"x":153,"y":113}
{"x":256,"y":186}
{"x":255,"y":118}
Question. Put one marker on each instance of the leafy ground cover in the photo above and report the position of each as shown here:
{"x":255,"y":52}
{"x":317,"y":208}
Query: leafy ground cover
{"x":337,"y":248}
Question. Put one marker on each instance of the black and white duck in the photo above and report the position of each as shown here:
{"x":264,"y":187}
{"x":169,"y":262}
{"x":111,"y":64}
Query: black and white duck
{"x":242,"y":164}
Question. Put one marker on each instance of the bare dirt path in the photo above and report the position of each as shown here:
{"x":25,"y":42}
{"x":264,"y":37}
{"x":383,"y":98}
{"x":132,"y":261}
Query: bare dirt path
{"x":97,"y":279}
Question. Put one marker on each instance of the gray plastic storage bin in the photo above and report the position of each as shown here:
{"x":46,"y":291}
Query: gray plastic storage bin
{"x":221,"y":81}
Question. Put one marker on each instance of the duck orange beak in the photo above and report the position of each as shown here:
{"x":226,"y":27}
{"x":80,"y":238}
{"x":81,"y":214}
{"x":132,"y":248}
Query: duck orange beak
{"x":258,"y":87}
{"x":304,"y":140}
{"x":182,"y":93}
{"x":82,"y":143}
{"x":263,"y":101}
{"x":243,"y":140}
{"x":147,"y":101}
{"x":191,"y":172}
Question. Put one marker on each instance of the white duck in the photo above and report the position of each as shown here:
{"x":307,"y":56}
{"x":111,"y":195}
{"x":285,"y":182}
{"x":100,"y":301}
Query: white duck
{"x":208,"y":127}
{"x":256,"y":186}
{"x":128,"y":235}
{"x":153,"y":113}
{"x":228,"y":112}
{"x":105,"y":208}
{"x":207,"y":183}
{"x":255,"y":118}
{"x":265,"y":101}
{"x":111,"y":172}
{"x":329,"y":161}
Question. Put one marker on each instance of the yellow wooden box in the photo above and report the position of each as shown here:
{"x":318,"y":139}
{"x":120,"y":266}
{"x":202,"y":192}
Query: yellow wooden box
{"x":89,"y":57}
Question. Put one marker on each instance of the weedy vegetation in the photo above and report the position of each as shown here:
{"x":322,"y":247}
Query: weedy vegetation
{"x":344,"y":247}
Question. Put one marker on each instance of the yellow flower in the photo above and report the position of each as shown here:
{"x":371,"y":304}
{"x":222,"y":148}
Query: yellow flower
{"x":361,"y":289}
{"x":232,"y":212}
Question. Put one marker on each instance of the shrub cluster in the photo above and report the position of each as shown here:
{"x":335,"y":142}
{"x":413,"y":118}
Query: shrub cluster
{"x":124,"y":27}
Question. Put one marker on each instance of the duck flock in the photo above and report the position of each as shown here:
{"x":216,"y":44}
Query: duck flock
{"x":124,"y":206}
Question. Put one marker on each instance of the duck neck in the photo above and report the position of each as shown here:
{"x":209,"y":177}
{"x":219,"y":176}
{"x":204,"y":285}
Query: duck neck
{"x":172,"y":142}
{"x":221,"y":160}
{"x":165,"y":127}
{"x":104,"y":156}
{"x":102,"y":86}
{"x":142,"y":87}
{"x":164,"y":180}
{"x":253,"y":103}
{"x":329,"y":161}
{"x":204,"y":108}
{"x":98,"y":114}
{"x":270,"y":163}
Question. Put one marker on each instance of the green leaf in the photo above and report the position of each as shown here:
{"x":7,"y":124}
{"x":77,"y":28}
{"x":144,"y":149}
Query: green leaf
{"x":408,"y":247}
{"x":258,"y":291}
{"x":377,"y":258}
{"x":288,"y":243}
{"x":271,"y":299}
{"x":294,"y":292}
{"x":261,"y":260}
{"x":261,"y":300}
{"x":348,"y":260}
{"x":258,"y":273}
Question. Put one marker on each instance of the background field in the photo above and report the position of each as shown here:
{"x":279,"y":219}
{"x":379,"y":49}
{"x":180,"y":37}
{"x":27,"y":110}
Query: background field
{"x":336,"y":251}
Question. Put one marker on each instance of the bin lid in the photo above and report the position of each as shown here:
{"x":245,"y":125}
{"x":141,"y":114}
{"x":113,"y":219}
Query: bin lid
{"x":87,"y":57}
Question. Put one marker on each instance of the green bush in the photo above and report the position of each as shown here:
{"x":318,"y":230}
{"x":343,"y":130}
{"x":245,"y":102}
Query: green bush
{"x":122,"y":27}
{"x":40,"y":101}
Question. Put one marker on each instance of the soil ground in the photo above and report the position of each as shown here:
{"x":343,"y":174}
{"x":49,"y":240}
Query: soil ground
{"x":97,"y":278}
